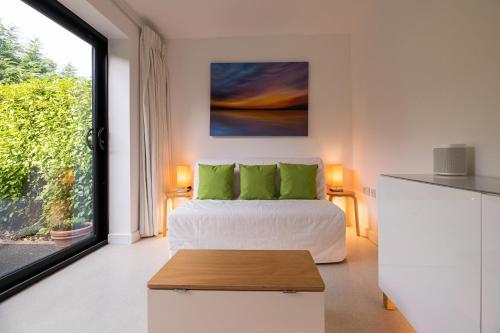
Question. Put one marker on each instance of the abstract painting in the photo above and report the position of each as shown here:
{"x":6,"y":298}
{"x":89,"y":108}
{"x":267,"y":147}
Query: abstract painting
{"x":259,"y":99}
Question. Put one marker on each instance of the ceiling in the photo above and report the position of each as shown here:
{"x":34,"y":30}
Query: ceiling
{"x":231,"y":18}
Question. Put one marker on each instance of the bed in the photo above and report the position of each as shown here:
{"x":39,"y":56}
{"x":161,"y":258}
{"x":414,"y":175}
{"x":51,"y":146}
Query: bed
{"x":314,"y":225}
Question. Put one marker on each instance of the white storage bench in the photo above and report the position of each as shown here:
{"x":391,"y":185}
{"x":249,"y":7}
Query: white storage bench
{"x":243,"y":291}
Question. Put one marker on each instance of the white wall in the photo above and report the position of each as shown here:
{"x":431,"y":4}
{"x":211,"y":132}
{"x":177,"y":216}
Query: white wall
{"x":330,"y":134}
{"x":123,"y":142}
{"x":424,"y":73}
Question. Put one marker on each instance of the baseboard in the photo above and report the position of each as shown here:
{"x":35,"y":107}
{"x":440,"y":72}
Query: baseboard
{"x":373,"y":236}
{"x":124,"y":239}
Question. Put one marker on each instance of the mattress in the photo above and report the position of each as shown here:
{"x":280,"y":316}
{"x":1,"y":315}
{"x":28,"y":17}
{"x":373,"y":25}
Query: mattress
{"x":314,"y":225}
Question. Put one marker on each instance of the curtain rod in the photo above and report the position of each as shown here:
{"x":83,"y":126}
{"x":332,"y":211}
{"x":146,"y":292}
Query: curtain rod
{"x":128,"y":11}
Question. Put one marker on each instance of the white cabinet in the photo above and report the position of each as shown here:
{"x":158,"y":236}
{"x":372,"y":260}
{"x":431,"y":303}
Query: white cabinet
{"x":439,"y":251}
{"x":430,"y":254}
{"x":491,"y":264}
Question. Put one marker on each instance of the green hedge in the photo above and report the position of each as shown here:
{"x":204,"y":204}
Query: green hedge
{"x":42,"y":128}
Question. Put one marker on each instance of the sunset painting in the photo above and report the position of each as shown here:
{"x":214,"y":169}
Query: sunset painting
{"x":259,"y":99}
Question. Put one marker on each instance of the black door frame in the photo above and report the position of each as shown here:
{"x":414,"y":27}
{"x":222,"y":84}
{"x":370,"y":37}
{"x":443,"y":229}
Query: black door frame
{"x":24,"y":277}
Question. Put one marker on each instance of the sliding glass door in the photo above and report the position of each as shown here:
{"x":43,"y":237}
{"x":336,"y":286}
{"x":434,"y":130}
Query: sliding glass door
{"x":53,"y":161}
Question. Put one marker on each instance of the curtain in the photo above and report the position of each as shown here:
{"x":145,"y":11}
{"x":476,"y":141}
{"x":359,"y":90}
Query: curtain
{"x":155,"y":152}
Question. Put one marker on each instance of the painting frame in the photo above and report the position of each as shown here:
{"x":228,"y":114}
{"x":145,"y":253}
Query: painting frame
{"x":259,"y":99}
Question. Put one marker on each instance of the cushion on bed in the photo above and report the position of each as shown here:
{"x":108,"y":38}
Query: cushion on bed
{"x":257,"y":182}
{"x":298,"y":181}
{"x":320,"y":175}
{"x":216,"y":182}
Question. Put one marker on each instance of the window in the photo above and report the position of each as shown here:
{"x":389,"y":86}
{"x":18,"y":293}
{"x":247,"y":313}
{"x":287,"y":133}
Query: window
{"x":53,"y":125}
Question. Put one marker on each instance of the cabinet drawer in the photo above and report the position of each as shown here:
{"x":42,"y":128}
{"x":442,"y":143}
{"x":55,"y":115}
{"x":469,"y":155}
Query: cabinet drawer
{"x":491,"y":264}
{"x":430,"y":254}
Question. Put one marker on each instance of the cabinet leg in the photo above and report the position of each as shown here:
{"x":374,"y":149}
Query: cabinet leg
{"x":356,"y":215}
{"x":388,"y":305}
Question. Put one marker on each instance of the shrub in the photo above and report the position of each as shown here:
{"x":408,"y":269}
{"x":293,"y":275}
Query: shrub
{"x":42,"y":128}
{"x":43,"y":119}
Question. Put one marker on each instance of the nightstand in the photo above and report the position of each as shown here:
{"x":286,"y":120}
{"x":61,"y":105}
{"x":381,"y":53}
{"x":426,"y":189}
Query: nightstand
{"x":348,"y":194}
{"x":169,"y":205}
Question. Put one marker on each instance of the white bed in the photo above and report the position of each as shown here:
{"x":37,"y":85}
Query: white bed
{"x":314,"y":225}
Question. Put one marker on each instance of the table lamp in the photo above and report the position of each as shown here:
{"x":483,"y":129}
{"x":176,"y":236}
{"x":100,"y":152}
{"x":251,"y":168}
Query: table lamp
{"x":336,"y":177}
{"x":183,"y":178}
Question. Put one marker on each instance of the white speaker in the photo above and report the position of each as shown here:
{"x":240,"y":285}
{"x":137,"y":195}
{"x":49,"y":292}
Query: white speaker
{"x":450,"y":160}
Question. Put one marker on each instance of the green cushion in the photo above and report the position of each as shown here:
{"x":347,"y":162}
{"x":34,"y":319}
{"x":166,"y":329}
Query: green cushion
{"x":258,"y":182}
{"x":298,"y":181}
{"x":215,"y":181}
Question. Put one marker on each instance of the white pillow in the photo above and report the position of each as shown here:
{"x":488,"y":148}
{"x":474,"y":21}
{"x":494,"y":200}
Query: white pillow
{"x":320,"y":176}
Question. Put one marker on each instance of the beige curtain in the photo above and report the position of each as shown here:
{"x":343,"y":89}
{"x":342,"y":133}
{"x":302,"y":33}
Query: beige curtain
{"x":154,"y":131}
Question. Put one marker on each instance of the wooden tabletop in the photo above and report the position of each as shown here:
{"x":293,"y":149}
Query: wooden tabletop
{"x":255,"y":270}
{"x":181,"y":194}
{"x":341,"y":193}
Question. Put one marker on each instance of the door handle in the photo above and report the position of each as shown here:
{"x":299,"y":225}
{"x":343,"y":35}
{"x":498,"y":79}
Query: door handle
{"x":89,"y":135}
{"x":101,"y":137}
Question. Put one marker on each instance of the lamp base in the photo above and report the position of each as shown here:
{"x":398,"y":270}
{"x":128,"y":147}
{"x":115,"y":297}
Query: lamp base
{"x":336,"y":189}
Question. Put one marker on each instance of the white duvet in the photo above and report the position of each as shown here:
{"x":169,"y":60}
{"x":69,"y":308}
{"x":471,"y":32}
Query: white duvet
{"x":314,"y":225}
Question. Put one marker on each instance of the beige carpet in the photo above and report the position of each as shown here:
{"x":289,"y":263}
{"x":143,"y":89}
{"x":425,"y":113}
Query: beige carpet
{"x":353,"y":300}
{"x":105,"y":292}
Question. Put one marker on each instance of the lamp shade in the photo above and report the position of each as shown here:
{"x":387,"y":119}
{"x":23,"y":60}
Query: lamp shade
{"x":336,"y":176}
{"x":183,"y":176}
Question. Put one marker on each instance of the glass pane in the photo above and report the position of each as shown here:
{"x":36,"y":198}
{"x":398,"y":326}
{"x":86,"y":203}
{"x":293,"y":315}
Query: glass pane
{"x":45,"y":111}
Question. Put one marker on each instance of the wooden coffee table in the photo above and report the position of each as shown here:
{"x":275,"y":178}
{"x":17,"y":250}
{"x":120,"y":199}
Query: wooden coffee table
{"x":237,"y":291}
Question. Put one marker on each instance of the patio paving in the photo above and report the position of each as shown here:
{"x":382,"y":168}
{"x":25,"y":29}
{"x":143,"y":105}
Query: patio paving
{"x":17,"y":255}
